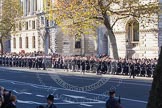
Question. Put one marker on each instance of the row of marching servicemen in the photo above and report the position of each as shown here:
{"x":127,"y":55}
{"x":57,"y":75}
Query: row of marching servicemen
{"x":22,"y":61}
{"x":105,"y":65}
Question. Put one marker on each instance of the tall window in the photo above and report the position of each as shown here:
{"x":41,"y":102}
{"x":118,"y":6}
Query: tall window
{"x":77,"y":42}
{"x":33,"y":41}
{"x":20,"y":42}
{"x":29,"y":24}
{"x":14,"y":42}
{"x":133,"y":31}
{"x":33,"y":24}
{"x":27,"y":42}
{"x":26,"y":25}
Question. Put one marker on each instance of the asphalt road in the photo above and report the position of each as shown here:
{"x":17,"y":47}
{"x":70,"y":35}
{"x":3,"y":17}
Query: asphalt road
{"x":72,"y":90}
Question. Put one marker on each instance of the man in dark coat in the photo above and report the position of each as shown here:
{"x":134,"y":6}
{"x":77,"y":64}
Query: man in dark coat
{"x":50,"y":102}
{"x":112,"y":102}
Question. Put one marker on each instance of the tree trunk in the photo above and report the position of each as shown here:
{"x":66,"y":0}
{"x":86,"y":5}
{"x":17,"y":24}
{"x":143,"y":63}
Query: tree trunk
{"x":111,"y":36}
{"x":1,"y":42}
{"x":155,"y":98}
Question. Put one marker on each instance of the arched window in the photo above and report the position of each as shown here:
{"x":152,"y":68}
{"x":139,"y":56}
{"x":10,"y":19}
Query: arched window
{"x":27,"y":42}
{"x":133,"y":31}
{"x":33,"y":41}
{"x":14,"y":42}
{"x":20,"y":42}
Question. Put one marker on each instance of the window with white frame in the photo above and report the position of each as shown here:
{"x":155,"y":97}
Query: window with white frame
{"x":133,"y":31}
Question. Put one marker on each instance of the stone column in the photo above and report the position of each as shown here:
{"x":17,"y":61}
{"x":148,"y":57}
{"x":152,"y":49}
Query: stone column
{"x":28,"y":6}
{"x":25,"y":7}
{"x":35,"y":5}
{"x":32,"y":7}
{"x":41,"y":5}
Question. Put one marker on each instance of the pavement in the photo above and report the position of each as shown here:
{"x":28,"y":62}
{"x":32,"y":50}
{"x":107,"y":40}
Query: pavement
{"x":73,"y":89}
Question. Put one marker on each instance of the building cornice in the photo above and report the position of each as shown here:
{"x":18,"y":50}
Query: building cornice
{"x":144,"y":30}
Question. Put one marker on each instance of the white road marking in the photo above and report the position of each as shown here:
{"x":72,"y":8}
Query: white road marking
{"x":30,"y":102}
{"x":76,"y":103}
{"x":68,"y":101}
{"x":72,"y":96}
{"x":131,"y":83}
{"x":86,"y":105}
{"x":138,"y":101}
{"x":40,"y":96}
{"x":46,"y":87}
{"x":61,"y":103}
{"x":22,"y":92}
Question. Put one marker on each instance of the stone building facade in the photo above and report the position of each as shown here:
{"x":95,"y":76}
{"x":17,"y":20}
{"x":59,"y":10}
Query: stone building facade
{"x":31,"y":30}
{"x":26,"y":37}
{"x":135,"y":38}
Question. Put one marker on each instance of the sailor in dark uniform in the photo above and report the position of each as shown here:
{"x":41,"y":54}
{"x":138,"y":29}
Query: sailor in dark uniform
{"x":83,"y":65}
{"x":73,"y":63}
{"x":37,"y":63}
{"x":113,"y":67}
{"x":125,"y":69}
{"x":4,"y":60}
{"x":148,"y":69}
{"x":143,"y":69}
{"x":0,"y":60}
{"x":132,"y":70}
{"x":11,"y":61}
{"x":87,"y":63}
{"x":136,"y":68}
{"x":104,"y":67}
{"x":30,"y":62}
{"x":99,"y":64}
{"x":119,"y":67}
{"x":108,"y":63}
{"x":78,"y":63}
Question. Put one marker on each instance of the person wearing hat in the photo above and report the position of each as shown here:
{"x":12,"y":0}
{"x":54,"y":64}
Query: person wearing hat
{"x":50,"y":102}
{"x":112,"y":102}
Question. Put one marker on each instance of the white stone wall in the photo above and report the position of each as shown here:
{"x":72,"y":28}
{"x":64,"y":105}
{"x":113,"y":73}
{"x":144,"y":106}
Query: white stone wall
{"x":25,"y":33}
{"x":29,"y":16}
{"x":148,"y":42}
{"x":30,"y":46}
